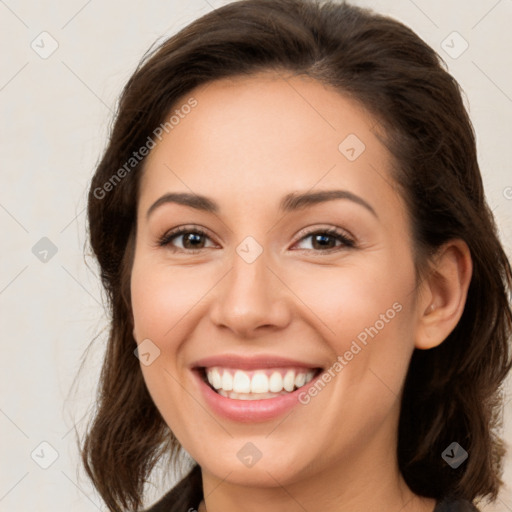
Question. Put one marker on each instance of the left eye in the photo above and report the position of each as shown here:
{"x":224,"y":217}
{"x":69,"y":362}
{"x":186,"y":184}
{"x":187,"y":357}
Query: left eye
{"x":191,"y":239}
{"x":321,"y":238}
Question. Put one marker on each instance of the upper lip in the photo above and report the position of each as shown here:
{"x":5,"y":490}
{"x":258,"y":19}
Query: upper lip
{"x":250,"y":363}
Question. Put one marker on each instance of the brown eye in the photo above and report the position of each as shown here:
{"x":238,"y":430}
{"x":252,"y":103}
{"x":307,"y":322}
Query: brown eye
{"x":326,"y":239}
{"x":192,"y":239}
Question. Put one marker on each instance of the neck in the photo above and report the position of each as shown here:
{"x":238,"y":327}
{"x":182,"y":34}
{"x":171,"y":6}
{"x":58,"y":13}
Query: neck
{"x":363,"y":481}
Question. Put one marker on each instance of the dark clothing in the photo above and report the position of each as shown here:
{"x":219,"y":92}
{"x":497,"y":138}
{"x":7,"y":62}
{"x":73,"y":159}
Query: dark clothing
{"x":186,"y":495}
{"x":454,"y":505}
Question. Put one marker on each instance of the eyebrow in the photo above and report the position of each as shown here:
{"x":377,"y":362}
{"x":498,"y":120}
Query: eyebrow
{"x":290,"y":202}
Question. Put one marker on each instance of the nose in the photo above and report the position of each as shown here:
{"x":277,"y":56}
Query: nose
{"x":251,"y":298}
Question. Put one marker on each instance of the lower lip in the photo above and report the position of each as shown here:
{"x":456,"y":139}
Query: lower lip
{"x":250,"y":411}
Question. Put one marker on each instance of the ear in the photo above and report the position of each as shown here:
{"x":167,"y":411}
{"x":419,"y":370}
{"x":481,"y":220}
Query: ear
{"x":443,"y":294}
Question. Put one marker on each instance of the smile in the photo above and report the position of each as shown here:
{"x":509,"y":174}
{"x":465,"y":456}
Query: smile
{"x":259,"y":384}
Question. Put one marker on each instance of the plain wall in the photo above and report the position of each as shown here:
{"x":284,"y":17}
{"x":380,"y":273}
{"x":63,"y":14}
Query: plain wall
{"x":55,"y":114}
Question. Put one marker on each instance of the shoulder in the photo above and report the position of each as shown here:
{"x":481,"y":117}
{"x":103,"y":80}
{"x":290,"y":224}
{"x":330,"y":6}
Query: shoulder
{"x":455,"y":505}
{"x":185,"y":496}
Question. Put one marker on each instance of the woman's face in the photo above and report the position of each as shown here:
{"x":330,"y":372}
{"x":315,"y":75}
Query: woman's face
{"x":265,"y":281}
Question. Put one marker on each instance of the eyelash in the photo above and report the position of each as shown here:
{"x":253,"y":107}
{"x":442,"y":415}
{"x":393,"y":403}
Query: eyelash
{"x":166,"y":239}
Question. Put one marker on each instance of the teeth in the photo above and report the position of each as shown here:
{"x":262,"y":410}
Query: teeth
{"x":289,"y":380}
{"x":265,"y":383}
{"x":216,"y":381}
{"x":249,"y":396}
{"x":275,"y":383}
{"x":241,"y":382}
{"x":227,"y":381}
{"x":300,"y":380}
{"x":259,"y":383}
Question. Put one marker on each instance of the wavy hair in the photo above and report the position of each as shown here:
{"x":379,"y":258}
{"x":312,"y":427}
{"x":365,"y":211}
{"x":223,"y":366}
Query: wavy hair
{"x":452,"y":392}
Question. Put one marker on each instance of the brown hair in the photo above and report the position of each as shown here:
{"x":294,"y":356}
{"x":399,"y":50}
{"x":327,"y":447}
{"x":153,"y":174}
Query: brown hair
{"x":452,"y":392}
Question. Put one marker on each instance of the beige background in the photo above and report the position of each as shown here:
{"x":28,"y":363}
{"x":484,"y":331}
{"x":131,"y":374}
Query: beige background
{"x":55,"y":114}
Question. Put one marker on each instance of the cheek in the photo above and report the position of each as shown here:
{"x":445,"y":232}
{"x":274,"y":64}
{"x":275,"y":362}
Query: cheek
{"x":365,"y":314}
{"x":161,"y":296}
{"x":350,"y":300}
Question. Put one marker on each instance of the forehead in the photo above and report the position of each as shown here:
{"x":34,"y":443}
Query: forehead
{"x":253,"y":136}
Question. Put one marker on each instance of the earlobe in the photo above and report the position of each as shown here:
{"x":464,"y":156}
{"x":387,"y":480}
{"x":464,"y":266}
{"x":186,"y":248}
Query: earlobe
{"x":447,"y":285}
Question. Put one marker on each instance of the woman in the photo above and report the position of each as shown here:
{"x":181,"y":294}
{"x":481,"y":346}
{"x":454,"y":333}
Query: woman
{"x":292,"y":231}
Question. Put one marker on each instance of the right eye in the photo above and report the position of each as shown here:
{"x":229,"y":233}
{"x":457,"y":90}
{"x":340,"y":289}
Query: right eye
{"x":191,"y":239}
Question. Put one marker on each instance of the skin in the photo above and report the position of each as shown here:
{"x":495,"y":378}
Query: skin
{"x":247,"y":143}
